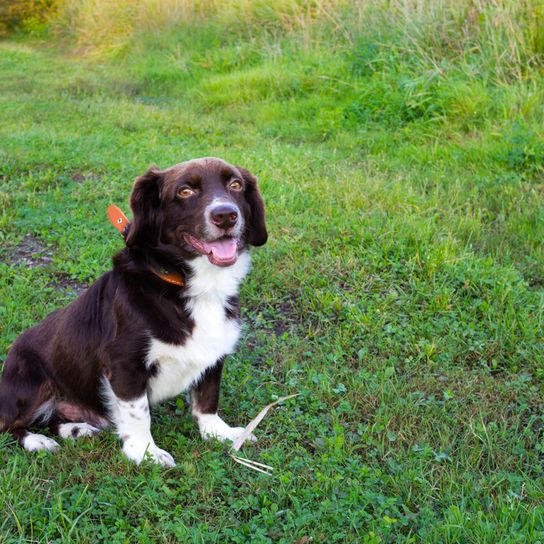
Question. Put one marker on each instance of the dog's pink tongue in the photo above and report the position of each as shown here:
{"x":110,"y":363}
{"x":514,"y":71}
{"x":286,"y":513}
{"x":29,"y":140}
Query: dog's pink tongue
{"x":223,"y":250}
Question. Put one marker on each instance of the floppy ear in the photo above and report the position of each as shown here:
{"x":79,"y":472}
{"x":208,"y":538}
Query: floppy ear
{"x":256,"y":228}
{"x":145,"y":203}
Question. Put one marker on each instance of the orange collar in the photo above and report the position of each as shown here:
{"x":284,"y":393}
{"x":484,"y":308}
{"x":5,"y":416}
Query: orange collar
{"x":119,"y":220}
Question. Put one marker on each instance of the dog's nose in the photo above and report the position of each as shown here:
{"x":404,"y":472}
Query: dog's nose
{"x":224,"y":216}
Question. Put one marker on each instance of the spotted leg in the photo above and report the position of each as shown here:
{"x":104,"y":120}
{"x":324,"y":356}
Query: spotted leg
{"x":132,"y":421}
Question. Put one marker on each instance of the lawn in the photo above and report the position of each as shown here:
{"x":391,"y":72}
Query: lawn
{"x":401,"y":292}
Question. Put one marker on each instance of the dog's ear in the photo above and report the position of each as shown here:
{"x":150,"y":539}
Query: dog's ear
{"x":145,"y":203}
{"x":256,"y":228}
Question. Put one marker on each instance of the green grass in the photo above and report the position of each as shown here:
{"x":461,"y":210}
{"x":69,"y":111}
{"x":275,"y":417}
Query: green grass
{"x":401,"y":292}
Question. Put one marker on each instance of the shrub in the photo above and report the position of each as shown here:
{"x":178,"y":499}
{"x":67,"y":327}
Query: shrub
{"x":30,"y":15}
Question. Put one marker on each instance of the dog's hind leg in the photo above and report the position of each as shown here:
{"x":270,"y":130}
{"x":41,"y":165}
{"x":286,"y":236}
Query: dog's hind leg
{"x":26,"y":398}
{"x":76,"y":430}
{"x":74,"y":421}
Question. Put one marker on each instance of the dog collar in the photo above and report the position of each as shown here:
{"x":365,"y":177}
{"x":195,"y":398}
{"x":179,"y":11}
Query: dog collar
{"x":119,"y":220}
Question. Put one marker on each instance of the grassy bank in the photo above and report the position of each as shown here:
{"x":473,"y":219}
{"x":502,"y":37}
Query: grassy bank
{"x":399,"y":149}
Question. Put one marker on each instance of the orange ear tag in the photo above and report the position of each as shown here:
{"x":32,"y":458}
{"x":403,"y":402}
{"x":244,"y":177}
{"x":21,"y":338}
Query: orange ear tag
{"x":117,"y":218}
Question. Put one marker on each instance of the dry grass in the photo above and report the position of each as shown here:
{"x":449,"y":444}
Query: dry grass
{"x":509,"y":34}
{"x":106,"y":26}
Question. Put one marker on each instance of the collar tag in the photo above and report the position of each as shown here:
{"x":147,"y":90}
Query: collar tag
{"x":118,"y":219}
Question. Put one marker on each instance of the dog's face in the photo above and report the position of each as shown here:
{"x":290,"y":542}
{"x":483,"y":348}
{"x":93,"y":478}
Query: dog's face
{"x":200,"y":207}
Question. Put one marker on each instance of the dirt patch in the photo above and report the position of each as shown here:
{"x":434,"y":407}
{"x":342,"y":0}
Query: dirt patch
{"x":68,"y":285}
{"x":286,"y":318}
{"x":30,"y":252}
{"x":79,"y":177}
{"x":277,"y":318}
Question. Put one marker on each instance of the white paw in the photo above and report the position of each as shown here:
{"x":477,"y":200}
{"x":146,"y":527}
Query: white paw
{"x":37,"y":442}
{"x":137,"y":452}
{"x":76,"y":430}
{"x":161,"y":457}
{"x":212,"y":426}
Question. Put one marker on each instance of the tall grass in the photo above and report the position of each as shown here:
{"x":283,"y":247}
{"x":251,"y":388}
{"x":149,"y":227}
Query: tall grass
{"x":507,"y":35}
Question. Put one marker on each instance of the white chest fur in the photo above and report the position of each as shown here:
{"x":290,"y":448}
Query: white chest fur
{"x":213,"y":336}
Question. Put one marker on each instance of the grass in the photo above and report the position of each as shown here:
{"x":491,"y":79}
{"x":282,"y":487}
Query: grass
{"x":401,"y":292}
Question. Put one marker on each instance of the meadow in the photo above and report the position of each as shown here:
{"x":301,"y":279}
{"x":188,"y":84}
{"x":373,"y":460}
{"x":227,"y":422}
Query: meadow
{"x":400,"y":152}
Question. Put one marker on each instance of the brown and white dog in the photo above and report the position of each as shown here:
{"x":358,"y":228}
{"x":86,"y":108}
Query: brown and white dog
{"x":133,"y":339}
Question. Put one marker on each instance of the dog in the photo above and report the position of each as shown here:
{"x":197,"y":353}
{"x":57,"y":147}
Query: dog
{"x":161,"y":322}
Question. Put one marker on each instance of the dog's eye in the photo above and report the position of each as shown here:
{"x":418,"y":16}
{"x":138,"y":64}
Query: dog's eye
{"x":235,"y":185}
{"x":186,"y":192}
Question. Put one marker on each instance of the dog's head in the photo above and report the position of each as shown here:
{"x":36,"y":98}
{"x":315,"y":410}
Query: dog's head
{"x":199,"y":207}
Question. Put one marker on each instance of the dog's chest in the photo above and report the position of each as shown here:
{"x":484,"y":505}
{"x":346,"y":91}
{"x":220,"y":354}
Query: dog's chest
{"x":214,"y":335}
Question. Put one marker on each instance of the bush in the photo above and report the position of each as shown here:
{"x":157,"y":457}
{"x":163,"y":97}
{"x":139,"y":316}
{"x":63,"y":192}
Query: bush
{"x":29,"y":15}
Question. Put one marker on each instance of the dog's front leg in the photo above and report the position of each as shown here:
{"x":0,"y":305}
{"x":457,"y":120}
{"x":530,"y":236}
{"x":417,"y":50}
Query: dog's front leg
{"x":204,"y":404}
{"x":132,"y":420}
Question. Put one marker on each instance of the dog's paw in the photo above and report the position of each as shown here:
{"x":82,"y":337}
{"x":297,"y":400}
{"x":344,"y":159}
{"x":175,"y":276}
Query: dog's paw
{"x":161,"y":457}
{"x":137,"y":453}
{"x":37,"y":442}
{"x":76,"y":430}
{"x":212,"y":426}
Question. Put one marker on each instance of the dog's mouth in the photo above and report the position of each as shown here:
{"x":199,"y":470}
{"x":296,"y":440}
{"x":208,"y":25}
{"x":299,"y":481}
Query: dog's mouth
{"x":222,"y":252}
